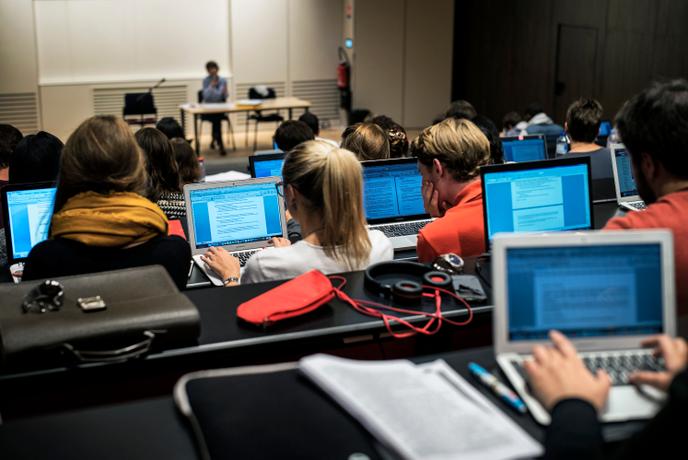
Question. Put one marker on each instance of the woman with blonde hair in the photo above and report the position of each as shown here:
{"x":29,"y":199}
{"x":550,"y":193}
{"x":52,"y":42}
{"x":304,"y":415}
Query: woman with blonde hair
{"x":323,"y":191}
{"x":101,"y":219}
{"x":367,"y":141}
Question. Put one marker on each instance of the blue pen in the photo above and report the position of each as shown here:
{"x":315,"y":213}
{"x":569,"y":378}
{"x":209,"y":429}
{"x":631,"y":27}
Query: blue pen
{"x":497,"y":387}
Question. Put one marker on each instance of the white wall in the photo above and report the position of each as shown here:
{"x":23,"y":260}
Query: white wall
{"x":114,"y":40}
{"x":18,"y":71}
{"x":403,"y":58}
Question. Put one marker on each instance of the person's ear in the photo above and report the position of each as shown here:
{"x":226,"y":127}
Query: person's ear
{"x":438,"y":168}
{"x":648,"y":166}
{"x":566,"y":126}
{"x":290,"y":194}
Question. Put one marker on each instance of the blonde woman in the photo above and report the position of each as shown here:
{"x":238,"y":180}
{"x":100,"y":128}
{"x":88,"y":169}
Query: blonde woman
{"x":367,"y":140}
{"x":323,"y":191}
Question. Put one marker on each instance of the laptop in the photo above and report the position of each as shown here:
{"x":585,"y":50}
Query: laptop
{"x":27,"y":211}
{"x":266,"y":165}
{"x":606,"y":291}
{"x":240,"y":216}
{"x":393,"y":200}
{"x":624,"y":182}
{"x":524,"y":148}
{"x":537,"y":196}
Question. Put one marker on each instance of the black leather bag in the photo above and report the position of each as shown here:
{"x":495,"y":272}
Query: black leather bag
{"x":144,"y":311}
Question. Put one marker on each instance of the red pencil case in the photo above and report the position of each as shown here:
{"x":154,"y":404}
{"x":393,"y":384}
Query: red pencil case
{"x":296,"y":297}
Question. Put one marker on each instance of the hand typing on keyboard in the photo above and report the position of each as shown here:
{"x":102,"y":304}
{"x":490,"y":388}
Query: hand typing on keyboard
{"x":557,"y":373}
{"x":222,"y":263}
{"x":674,"y":351}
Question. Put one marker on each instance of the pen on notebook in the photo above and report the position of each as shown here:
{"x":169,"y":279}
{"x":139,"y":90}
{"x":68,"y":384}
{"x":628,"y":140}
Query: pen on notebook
{"x":190,"y":269}
{"x":497,"y":387}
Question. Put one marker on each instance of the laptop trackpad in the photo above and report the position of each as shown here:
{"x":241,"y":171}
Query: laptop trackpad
{"x":404,"y":242}
{"x":628,"y":403}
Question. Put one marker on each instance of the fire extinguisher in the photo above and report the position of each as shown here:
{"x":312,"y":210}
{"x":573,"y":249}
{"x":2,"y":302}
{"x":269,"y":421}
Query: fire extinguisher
{"x":344,"y":80}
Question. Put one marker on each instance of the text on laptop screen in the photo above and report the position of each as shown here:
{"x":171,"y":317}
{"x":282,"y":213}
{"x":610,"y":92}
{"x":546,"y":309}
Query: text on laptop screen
{"x":537,"y":200}
{"x":584,"y":291}
{"x":392,"y":190}
{"x":524,"y":150}
{"x":624,"y":172}
{"x":30,"y":212}
{"x":268,"y":168}
{"x":235,"y":214}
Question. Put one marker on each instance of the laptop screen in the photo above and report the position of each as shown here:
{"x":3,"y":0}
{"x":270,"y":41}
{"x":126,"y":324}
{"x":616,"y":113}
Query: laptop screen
{"x":605,"y":128}
{"x":584,"y":291}
{"x":547,"y":197}
{"x":624,"y":172}
{"x":526,"y":149}
{"x":29,"y":214}
{"x":268,"y":168}
{"x":392,"y":190}
{"x":235,"y":214}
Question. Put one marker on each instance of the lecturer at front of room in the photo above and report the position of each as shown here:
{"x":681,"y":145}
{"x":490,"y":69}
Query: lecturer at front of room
{"x":215,"y":90}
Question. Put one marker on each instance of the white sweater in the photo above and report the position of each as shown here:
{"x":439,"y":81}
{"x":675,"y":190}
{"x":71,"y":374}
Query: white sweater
{"x":291,"y":261}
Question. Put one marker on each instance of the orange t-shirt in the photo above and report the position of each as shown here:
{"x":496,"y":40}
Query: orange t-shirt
{"x":461,"y":230}
{"x":670,"y":212}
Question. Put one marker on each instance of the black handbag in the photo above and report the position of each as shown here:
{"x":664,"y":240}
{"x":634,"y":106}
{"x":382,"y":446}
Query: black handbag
{"x":100,"y":317}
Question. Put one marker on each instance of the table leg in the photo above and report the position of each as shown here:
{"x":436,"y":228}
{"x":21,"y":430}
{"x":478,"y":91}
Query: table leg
{"x":196,"y":139}
{"x":290,"y":111}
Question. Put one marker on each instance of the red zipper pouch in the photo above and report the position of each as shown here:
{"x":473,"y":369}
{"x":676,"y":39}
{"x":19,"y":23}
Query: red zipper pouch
{"x":296,"y":297}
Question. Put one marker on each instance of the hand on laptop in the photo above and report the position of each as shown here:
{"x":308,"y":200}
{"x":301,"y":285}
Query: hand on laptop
{"x":558,"y":373}
{"x":279,"y":242}
{"x":222,"y":263}
{"x":675,"y":354}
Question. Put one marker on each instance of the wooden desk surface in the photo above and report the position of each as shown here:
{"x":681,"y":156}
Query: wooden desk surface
{"x":280,"y":103}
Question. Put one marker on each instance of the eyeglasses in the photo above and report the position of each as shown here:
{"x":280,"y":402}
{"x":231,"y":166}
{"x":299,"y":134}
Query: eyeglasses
{"x":45,"y":297}
{"x":280,"y":188}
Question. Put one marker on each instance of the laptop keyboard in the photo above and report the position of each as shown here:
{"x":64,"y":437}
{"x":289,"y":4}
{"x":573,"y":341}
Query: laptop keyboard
{"x":402,"y":229}
{"x":619,"y":365}
{"x":639,"y":205}
{"x":244,"y":256}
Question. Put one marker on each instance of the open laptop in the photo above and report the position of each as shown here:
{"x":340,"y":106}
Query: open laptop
{"x":240,"y":216}
{"x":266,"y":165}
{"x":524,"y":148}
{"x":393,"y":200}
{"x":538,"y":196}
{"x":624,"y":182}
{"x":606,"y":291}
{"x":27,"y":210}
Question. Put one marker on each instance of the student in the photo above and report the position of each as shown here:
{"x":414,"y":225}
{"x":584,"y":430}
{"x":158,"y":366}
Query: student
{"x":512,"y":125}
{"x":461,"y":109}
{"x":101,"y":220}
{"x":291,"y":133}
{"x":9,"y":138}
{"x":396,"y":134}
{"x":582,"y":125}
{"x":215,"y":90}
{"x":540,"y":123}
{"x":36,"y":159}
{"x":314,"y":124}
{"x":323,"y":190}
{"x":187,"y":162}
{"x":170,"y":128}
{"x":367,"y":141}
{"x":163,"y":176}
{"x":653,"y":126}
{"x":489,"y":129}
{"x":449,"y":158}
{"x":574,"y":396}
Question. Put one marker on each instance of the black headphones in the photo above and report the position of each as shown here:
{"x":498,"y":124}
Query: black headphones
{"x":403,"y":282}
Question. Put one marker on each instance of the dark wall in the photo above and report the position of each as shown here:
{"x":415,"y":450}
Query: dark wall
{"x":510,"y":53}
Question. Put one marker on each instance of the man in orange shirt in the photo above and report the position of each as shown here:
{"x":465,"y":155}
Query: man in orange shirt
{"x":653,"y":126}
{"x":449,"y":156}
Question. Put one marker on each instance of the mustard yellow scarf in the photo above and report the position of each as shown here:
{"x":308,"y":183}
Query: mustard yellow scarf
{"x":121,"y":219}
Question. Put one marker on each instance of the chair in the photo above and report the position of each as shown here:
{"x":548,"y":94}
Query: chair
{"x":258,"y":116}
{"x":139,"y":109}
{"x":230,"y":130}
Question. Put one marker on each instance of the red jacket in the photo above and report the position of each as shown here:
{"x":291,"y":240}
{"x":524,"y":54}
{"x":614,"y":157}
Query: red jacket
{"x":670,"y":212}
{"x":461,"y":230}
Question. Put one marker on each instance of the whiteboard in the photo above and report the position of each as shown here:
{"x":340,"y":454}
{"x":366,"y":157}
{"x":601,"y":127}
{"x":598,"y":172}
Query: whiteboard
{"x":87,"y":41}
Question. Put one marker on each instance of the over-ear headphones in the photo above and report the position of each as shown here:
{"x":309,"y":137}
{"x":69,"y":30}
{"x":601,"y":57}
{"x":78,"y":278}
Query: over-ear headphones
{"x":403,"y":281}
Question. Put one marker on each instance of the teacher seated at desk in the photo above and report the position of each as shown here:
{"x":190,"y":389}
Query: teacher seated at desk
{"x":101,"y":219}
{"x":323,"y":191}
{"x":215,"y":90}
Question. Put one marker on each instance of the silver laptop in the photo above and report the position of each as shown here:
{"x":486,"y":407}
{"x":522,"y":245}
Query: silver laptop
{"x":606,"y":291}
{"x":624,"y":182}
{"x":393,"y":200}
{"x":240,"y":216}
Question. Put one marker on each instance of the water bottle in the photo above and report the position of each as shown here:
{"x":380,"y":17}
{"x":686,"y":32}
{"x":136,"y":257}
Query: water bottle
{"x":563,"y":144}
{"x":201,"y":164}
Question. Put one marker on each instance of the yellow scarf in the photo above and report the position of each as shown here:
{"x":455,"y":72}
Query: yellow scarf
{"x":122,"y":219}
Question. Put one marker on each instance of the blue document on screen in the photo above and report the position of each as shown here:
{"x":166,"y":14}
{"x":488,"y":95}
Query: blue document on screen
{"x":30,"y":212}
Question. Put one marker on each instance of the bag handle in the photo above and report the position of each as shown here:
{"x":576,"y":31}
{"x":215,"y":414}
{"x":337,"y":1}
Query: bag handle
{"x":134,"y":350}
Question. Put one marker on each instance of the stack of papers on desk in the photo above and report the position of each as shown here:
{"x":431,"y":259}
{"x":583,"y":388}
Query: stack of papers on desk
{"x":248,"y":102}
{"x":422,"y":411}
{"x":227,"y":175}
